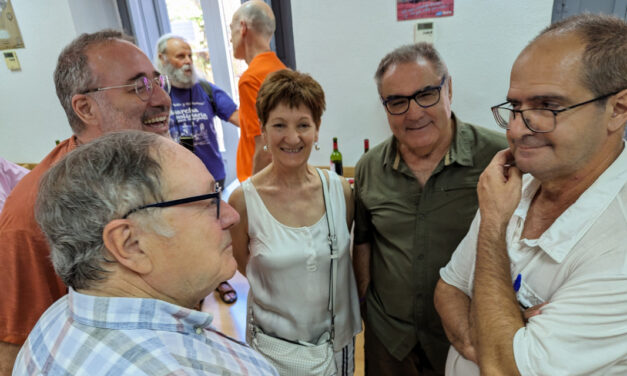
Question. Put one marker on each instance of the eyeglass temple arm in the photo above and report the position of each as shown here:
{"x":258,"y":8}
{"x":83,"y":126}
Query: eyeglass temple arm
{"x":180,"y":201}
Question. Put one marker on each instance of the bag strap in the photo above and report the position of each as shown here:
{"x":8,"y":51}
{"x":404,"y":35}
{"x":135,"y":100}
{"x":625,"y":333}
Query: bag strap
{"x":333,"y":249}
{"x":209,"y":90}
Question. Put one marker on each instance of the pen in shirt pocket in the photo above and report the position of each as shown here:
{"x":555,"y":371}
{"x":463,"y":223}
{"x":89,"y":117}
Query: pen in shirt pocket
{"x":517,"y":285}
{"x":517,"y":282}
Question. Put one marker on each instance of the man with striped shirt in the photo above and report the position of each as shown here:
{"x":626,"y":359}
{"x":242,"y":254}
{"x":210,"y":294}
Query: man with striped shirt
{"x":139,"y":234}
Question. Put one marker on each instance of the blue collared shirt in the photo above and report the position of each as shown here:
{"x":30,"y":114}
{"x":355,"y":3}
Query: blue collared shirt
{"x":89,"y":335}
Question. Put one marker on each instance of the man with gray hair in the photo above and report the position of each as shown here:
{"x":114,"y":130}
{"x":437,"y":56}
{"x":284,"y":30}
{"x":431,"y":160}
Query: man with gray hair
{"x":139,"y":234}
{"x":195,"y":103}
{"x":252,"y":29}
{"x":104,"y":83}
{"x":553,"y":241}
{"x":415,"y":198}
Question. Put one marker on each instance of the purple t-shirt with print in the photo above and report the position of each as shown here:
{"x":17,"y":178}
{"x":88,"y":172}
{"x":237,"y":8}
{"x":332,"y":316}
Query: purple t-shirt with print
{"x":192,"y":115}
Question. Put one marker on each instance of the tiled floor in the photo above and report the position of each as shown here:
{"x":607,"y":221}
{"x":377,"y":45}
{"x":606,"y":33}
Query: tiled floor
{"x":231,"y":319}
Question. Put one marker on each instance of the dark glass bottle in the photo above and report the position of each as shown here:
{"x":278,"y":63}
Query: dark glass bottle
{"x":336,"y":159}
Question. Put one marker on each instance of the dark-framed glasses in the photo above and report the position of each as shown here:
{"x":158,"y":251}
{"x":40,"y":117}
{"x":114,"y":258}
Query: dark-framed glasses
{"x":425,"y":98}
{"x":538,"y":120}
{"x":144,"y":86}
{"x":215,"y":196}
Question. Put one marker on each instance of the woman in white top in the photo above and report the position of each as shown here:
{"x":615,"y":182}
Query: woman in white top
{"x":280,"y":243}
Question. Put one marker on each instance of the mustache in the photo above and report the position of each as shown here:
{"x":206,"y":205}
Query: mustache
{"x":420,"y":123}
{"x":531,"y":140}
{"x":155,"y":111}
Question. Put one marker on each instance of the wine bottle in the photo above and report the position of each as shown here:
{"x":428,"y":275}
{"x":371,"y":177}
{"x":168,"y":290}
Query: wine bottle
{"x":366,"y":145}
{"x":336,"y":159}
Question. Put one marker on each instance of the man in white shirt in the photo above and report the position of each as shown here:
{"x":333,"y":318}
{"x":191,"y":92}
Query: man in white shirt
{"x":539,"y":284}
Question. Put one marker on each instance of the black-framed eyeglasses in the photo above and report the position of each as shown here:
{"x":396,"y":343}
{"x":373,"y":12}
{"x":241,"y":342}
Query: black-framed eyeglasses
{"x":144,"y":86}
{"x":538,"y":120}
{"x":216,"y":196}
{"x":425,"y":98}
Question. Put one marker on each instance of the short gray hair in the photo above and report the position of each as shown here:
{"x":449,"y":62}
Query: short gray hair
{"x":88,"y":188}
{"x":257,"y":18}
{"x":604,"y":60}
{"x":407,"y":54}
{"x":73,"y":75}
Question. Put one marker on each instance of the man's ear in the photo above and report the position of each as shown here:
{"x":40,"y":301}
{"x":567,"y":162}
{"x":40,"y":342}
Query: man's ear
{"x":619,"y":111}
{"x":450,"y":88}
{"x":243,"y":28}
{"x":121,"y":238}
{"x":85,"y":108}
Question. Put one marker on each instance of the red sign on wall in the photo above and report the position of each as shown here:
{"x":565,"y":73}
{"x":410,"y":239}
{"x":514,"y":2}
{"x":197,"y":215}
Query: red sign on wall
{"x":413,"y":9}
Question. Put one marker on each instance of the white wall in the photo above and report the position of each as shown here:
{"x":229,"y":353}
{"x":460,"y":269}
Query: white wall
{"x":31,"y":117}
{"x":93,"y":15}
{"x":340,"y":43}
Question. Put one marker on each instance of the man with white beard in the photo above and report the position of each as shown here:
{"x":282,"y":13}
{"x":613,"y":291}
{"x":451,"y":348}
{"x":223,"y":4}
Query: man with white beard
{"x":195,"y":102}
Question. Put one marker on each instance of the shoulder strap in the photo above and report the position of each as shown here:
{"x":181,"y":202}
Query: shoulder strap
{"x":207,"y":88}
{"x":333,"y":249}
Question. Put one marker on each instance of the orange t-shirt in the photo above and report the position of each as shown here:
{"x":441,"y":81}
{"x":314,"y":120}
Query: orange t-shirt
{"x":249,"y":84}
{"x":28,"y":283}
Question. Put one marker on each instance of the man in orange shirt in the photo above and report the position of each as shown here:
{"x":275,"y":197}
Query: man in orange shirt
{"x":251,"y":31}
{"x":105,"y":83}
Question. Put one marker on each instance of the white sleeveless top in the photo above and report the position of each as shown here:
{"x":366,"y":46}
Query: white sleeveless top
{"x":289,"y":271}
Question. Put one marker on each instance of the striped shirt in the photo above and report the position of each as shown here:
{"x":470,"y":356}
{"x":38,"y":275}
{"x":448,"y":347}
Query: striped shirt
{"x":88,"y":335}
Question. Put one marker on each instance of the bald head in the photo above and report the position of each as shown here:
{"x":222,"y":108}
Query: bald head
{"x":258,"y":17}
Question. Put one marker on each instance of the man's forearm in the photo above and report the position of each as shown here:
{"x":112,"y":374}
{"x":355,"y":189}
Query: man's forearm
{"x":361,"y":265}
{"x":453,"y":306}
{"x":8,"y":353}
{"x":234,"y":118}
{"x":494,"y":308}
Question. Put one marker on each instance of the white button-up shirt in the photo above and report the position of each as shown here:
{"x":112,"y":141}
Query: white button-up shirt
{"x":578,"y":265}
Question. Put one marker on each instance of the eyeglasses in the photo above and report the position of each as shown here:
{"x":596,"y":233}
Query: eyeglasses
{"x":425,"y":98}
{"x":215,"y":196}
{"x":538,"y":120}
{"x":144,"y":86}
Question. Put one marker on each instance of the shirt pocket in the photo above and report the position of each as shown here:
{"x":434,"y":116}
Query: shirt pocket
{"x":527,"y":297}
{"x":456,"y":201}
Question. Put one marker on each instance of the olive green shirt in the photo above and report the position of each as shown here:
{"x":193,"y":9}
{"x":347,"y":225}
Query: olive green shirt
{"x":413,"y":231}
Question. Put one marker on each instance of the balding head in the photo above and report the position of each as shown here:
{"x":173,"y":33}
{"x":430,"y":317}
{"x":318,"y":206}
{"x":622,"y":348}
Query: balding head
{"x":604,"y":58}
{"x":258,"y":17}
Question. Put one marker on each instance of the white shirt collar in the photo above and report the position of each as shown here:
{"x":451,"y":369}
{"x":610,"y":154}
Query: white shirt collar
{"x":571,"y":225}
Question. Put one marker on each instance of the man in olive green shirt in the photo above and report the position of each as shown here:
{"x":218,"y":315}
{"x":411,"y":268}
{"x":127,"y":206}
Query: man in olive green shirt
{"x":415,"y":199}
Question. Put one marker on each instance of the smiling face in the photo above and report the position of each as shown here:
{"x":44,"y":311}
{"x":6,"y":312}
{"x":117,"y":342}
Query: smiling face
{"x":419,"y":129}
{"x":547,"y":75}
{"x":290,"y":134}
{"x":120,"y":63}
{"x":189,"y":265}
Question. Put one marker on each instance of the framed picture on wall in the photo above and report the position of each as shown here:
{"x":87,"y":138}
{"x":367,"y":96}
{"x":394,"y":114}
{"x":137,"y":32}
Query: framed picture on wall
{"x":10,"y":35}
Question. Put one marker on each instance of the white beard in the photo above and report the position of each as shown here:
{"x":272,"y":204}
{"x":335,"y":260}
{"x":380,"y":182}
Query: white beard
{"x":177,"y":76}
